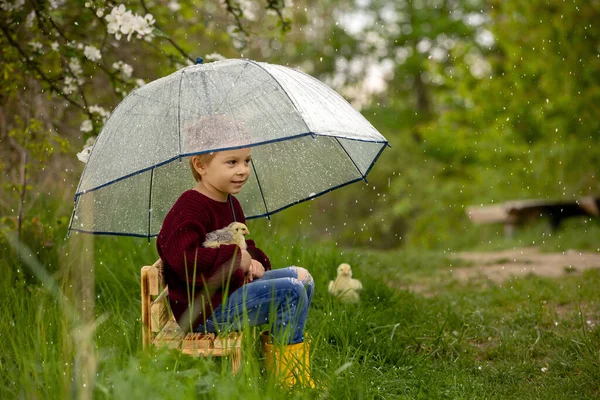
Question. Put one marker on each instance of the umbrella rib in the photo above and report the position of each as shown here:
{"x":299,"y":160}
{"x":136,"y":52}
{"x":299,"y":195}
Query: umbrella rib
{"x":351,"y":159}
{"x":260,"y":189}
{"x":242,"y":101}
{"x":197,"y":93}
{"x":166,"y":103}
{"x":232,"y":86}
{"x":205,"y":87}
{"x":150,"y":202}
{"x":320,"y":92}
{"x":179,"y":114}
{"x":308,"y":128}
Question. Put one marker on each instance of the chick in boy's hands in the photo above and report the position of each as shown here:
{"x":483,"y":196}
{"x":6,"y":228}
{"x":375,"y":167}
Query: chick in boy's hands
{"x":232,"y":234}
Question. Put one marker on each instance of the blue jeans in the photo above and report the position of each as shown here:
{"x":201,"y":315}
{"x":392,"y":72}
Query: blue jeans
{"x":278,"y":298}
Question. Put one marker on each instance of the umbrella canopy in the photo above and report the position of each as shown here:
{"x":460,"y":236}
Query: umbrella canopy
{"x":306,"y":140}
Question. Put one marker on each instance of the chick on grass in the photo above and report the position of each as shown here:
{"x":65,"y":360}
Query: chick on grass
{"x":344,"y":287}
{"x":232,"y":234}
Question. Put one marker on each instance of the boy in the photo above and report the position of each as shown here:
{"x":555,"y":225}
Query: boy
{"x":227,"y":285}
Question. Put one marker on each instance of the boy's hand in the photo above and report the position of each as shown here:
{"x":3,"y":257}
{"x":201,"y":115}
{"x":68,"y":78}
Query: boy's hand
{"x":256,"y":270}
{"x":246,"y":262}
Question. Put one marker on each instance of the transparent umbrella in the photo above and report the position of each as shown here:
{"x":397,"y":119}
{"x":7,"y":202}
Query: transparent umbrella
{"x":306,"y":139}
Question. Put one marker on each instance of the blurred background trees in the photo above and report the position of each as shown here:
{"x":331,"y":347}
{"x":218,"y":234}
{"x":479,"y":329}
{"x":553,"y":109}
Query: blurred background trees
{"x":482,"y":101}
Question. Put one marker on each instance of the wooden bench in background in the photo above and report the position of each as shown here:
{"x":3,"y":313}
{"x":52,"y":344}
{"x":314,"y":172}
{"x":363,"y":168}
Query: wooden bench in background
{"x":517,"y":212}
{"x":161,"y":330}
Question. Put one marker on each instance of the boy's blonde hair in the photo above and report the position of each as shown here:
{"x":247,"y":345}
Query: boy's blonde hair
{"x":205,"y":158}
{"x":208,"y":131}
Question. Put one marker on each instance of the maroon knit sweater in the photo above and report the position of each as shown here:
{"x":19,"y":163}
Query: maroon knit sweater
{"x":217,"y":271}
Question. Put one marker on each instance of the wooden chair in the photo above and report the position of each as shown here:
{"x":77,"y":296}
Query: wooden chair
{"x":161,"y":330}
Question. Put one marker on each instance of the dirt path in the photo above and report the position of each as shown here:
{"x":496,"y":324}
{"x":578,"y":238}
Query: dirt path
{"x":501,"y":265}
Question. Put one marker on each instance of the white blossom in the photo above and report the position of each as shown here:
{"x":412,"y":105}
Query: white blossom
{"x":86,"y":126}
{"x":125,"y":69}
{"x":70,"y":85}
{"x":123,"y":22}
{"x":122,"y":92}
{"x":54,"y":46}
{"x":7,"y":5}
{"x":37,"y":46}
{"x":174,"y":6}
{"x":90,"y":141}
{"x":147,"y":34}
{"x":214,"y":57}
{"x":140,"y":82}
{"x":56,"y":3}
{"x":92,"y":53}
{"x":100,"y":12}
{"x":29,"y":20}
{"x":96,"y":109}
{"x":84,"y":155}
{"x":75,"y":66}
{"x":248,"y":8}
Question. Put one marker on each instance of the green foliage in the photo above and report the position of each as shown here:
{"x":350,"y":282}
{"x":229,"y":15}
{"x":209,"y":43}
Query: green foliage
{"x":39,"y":142}
{"x":511,"y":120}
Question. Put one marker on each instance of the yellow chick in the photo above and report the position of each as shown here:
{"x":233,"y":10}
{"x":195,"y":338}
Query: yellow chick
{"x":232,"y":234}
{"x":344,"y":287}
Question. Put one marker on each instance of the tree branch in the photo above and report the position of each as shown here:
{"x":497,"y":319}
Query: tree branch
{"x":43,"y":19}
{"x":237,"y":12}
{"x":35,"y":66}
{"x":276,"y":6}
{"x":181,"y":51}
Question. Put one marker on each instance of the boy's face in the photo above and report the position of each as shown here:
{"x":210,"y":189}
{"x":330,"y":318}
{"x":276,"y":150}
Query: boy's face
{"x":226,"y":173}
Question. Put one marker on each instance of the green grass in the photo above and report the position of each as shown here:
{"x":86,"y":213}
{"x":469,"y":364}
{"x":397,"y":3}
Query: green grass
{"x":527,"y":338}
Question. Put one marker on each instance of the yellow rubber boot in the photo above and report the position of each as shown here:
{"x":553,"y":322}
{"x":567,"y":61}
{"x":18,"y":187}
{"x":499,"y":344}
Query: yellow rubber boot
{"x":290,"y":364}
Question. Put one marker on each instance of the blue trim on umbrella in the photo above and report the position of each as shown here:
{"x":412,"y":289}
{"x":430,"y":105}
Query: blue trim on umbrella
{"x":375,"y":160}
{"x":247,"y":218}
{"x":208,"y":151}
{"x":150,"y":204}
{"x":113,"y":233}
